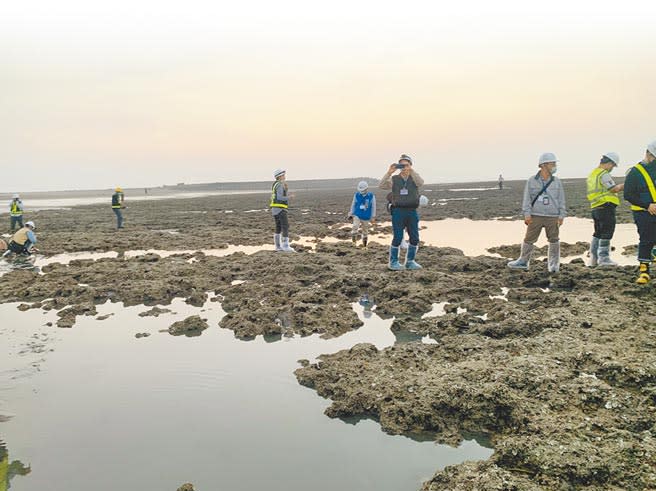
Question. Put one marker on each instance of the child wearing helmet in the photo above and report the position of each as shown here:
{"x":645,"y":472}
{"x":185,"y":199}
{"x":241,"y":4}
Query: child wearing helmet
{"x":363,"y":212}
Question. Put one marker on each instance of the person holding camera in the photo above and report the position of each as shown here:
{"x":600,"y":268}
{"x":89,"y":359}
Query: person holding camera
{"x":404,"y":200}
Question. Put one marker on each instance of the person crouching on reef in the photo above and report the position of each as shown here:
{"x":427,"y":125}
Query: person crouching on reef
{"x":602,"y":195}
{"x":362,"y":212}
{"x":404,"y":202}
{"x":640,"y":191}
{"x":279,"y":205}
{"x":23,"y":241}
{"x":543,"y":207}
{"x":117,"y":205}
{"x":15,"y":213}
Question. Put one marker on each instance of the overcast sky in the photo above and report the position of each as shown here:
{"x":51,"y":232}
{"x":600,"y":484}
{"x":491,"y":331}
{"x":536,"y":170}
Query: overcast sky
{"x":142,"y":93}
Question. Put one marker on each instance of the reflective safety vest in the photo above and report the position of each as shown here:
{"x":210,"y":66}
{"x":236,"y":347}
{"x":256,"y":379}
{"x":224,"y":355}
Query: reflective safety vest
{"x":15,"y":209}
{"x":650,"y":186}
{"x":117,"y":198}
{"x":597,"y":192}
{"x":20,"y":237}
{"x":275,"y":203}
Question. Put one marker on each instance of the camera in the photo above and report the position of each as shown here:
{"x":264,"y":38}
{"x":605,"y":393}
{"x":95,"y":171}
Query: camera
{"x":399,"y":166}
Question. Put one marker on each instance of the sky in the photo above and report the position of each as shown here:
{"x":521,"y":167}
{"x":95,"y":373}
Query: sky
{"x":144,"y":93}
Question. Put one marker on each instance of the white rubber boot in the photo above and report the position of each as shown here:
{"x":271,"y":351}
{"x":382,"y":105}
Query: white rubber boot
{"x":553,"y":257}
{"x":276,"y":241}
{"x":594,"y":251}
{"x":524,"y":259}
{"x":285,"y":245}
{"x":604,"y":254}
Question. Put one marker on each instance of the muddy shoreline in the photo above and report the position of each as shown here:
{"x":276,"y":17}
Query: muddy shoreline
{"x":559,"y":372}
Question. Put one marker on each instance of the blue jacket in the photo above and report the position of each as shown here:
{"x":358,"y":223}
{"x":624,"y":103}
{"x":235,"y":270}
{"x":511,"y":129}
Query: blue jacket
{"x":363,"y":206}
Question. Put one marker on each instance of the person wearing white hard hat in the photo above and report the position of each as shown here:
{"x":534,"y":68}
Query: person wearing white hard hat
{"x":602,"y":195}
{"x":640,"y":191}
{"x":404,"y":200}
{"x":362,"y":212}
{"x":15,"y":213}
{"x":543,"y":207}
{"x":279,"y":205}
{"x":23,"y":241}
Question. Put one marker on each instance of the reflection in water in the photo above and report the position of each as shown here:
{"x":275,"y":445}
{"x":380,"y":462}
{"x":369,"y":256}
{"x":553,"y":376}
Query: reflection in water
{"x":10,"y":470}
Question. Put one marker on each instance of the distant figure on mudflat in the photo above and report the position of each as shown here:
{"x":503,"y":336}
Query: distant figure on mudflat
{"x":404,"y":201}
{"x":543,"y":207}
{"x":602,"y":195}
{"x":640,"y":191}
{"x":362,"y":212}
{"x":15,"y":213}
{"x":501,"y":181}
{"x":279,"y":205}
{"x":118,"y":200}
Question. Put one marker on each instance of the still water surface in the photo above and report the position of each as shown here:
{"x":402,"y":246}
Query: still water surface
{"x":107,"y":411}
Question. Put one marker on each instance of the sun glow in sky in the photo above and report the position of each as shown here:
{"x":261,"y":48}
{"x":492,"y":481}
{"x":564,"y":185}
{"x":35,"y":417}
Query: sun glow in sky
{"x":98,"y":94}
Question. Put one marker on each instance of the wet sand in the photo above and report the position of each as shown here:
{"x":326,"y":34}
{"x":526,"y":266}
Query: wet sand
{"x":559,"y":372}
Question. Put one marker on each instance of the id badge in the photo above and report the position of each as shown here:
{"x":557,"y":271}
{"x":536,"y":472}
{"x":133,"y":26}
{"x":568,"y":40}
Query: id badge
{"x":545,"y":200}
{"x":363,"y":207}
{"x":404,"y":192}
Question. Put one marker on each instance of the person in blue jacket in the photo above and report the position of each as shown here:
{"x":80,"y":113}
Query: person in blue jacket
{"x":362,"y":212}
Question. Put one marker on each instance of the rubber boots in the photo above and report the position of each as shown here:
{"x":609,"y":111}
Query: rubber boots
{"x":643,"y":277}
{"x":604,"y":253}
{"x":553,"y":257}
{"x":285,"y":245}
{"x":394,"y":263}
{"x":364,"y":241}
{"x":354,"y":238}
{"x":276,"y":242}
{"x":410,"y":262}
{"x":524,"y":257}
{"x":594,"y":251}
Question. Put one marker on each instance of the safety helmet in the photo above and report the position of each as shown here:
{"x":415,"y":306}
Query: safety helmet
{"x":118,"y":190}
{"x":363,"y":185}
{"x":405,"y":157}
{"x":30,"y":224}
{"x":546,"y":158}
{"x":614,"y":156}
{"x":15,"y":196}
{"x":423,"y":200}
{"x":278,"y":172}
{"x":652,"y":148}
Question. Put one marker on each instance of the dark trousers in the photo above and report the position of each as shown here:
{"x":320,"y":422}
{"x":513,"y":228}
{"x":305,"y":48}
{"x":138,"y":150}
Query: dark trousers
{"x":19,"y":249}
{"x":18,"y":219}
{"x":647,"y":230}
{"x":604,"y":221}
{"x":282,"y":223}
{"x":405,"y":219}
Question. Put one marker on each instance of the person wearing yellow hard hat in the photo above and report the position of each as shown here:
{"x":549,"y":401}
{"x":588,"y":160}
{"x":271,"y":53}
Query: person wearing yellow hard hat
{"x":117,"y":205}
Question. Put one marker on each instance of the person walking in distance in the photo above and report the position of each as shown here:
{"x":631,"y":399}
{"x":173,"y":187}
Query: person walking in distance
{"x":279,"y":205}
{"x":117,"y":205}
{"x":362,"y":212}
{"x":543,"y":207}
{"x":404,"y":203}
{"x":640,"y":191}
{"x":602,"y":195}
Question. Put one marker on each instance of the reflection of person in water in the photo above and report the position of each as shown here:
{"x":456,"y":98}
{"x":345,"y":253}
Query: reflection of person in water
{"x":9,"y":471}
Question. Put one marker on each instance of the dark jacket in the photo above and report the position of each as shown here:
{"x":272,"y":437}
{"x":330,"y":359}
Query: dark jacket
{"x":636,"y":191}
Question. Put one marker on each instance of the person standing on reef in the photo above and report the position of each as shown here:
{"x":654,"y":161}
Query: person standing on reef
{"x":404,"y":203}
{"x":15,"y":213}
{"x":117,"y":205}
{"x":362,"y":212}
{"x":543,"y":207}
{"x":279,"y":205}
{"x":501,"y":179}
{"x":640,"y":191}
{"x":602,"y":195}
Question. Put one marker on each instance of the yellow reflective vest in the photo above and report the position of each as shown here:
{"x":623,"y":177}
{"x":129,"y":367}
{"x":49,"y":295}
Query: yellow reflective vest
{"x":650,"y":185}
{"x":14,"y":209}
{"x":274,"y":198}
{"x":598,"y":195}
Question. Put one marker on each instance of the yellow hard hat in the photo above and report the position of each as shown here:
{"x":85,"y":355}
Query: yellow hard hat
{"x":119,"y":190}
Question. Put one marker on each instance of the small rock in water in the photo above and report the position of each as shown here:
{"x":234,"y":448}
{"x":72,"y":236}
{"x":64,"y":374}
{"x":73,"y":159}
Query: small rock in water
{"x":186,"y":487}
{"x":190,"y":325}
{"x":142,"y":335}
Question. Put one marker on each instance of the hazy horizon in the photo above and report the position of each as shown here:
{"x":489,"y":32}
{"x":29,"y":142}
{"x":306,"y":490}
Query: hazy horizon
{"x":97,"y":95}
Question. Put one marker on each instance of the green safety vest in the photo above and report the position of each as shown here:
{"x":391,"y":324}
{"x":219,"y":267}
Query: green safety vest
{"x":274,"y":201}
{"x":650,"y":186}
{"x":14,"y":210}
{"x":597,"y":194}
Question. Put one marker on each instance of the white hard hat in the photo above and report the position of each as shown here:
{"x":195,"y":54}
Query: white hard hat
{"x":652,"y":148}
{"x":362,"y":185}
{"x":278,"y":172}
{"x":547,"y":157}
{"x":614,"y":156}
{"x":423,"y":200}
{"x":30,"y":224}
{"x":15,"y":196}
